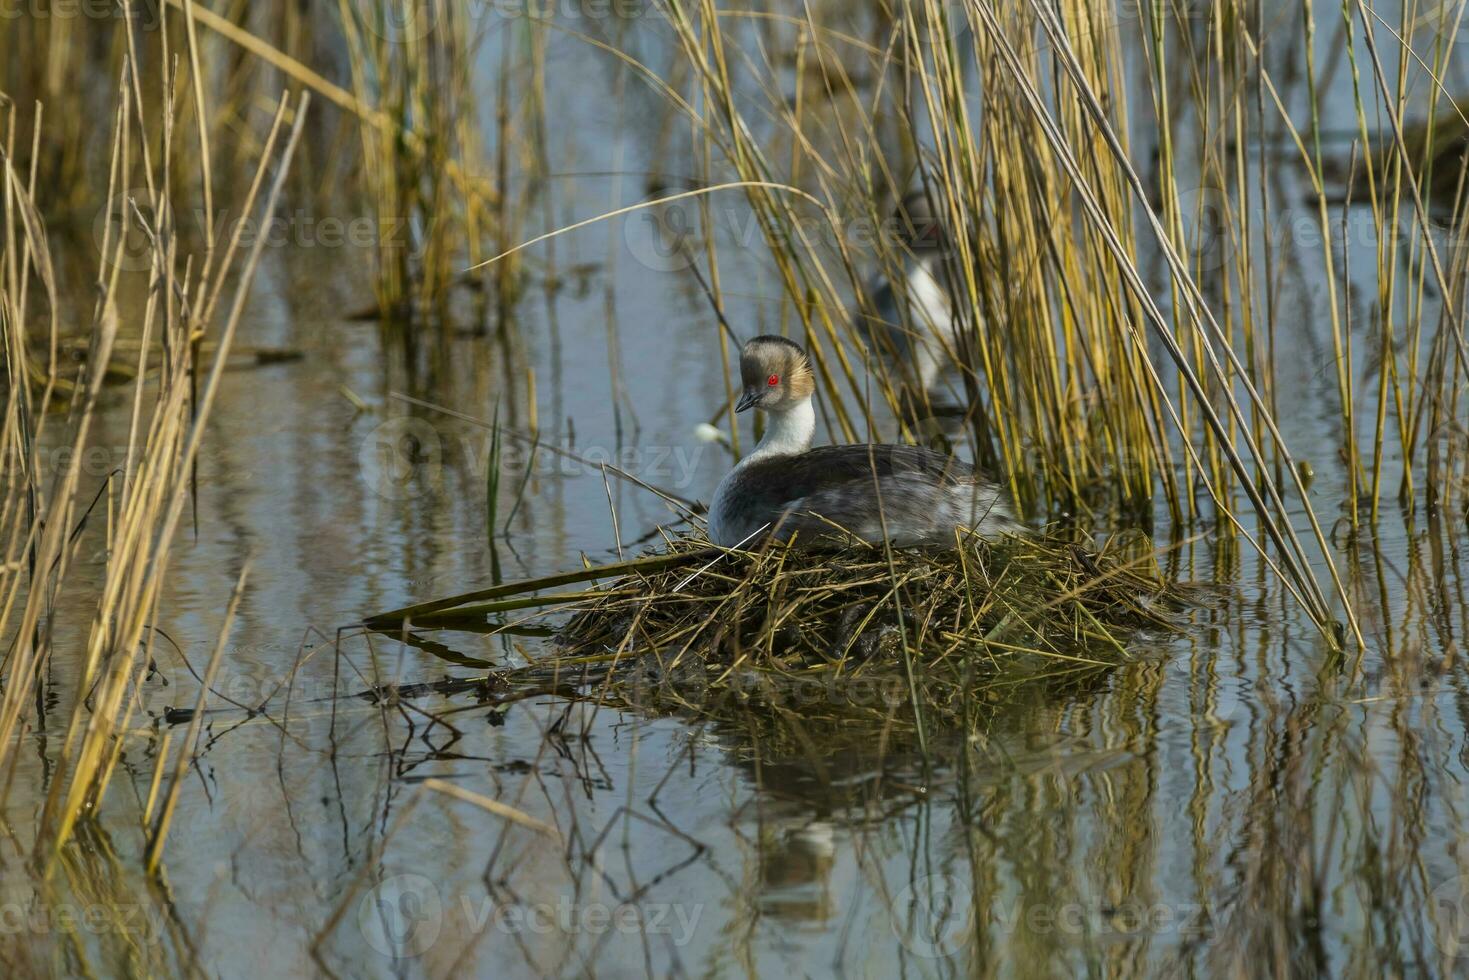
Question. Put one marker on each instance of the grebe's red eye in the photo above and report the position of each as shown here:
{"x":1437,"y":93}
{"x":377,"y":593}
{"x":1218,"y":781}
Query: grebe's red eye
{"x":773,"y":380}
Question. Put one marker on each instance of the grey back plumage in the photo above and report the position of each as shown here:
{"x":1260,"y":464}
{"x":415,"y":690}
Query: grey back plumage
{"x":905,"y":494}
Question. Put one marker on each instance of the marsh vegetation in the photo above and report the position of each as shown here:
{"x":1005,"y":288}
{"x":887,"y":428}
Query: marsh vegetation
{"x":317,"y":311}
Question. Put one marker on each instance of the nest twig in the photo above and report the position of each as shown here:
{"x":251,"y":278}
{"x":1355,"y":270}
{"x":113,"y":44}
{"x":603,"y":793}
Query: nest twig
{"x":693,"y":620}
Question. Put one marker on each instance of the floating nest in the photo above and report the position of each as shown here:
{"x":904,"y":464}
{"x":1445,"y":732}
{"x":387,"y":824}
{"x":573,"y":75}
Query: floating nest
{"x":990,"y":603}
{"x":692,"y":619}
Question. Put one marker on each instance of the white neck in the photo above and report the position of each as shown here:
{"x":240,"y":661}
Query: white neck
{"x":787,"y":432}
{"x":930,"y":260}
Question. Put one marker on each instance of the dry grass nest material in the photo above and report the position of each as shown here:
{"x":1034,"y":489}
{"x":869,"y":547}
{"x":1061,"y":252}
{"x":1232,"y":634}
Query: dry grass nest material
{"x":987,"y":603}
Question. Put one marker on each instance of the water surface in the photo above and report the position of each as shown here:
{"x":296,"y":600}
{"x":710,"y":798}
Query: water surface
{"x":1238,"y":798}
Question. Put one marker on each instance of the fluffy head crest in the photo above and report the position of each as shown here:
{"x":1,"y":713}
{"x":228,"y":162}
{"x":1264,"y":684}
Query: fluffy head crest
{"x":774,"y":374}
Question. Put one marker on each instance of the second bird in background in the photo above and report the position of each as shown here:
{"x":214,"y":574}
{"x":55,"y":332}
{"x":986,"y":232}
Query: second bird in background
{"x":912,"y":324}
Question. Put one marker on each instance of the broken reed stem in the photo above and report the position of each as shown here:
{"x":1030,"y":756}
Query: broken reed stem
{"x":495,"y":807}
{"x":196,"y":724}
{"x":652,"y":563}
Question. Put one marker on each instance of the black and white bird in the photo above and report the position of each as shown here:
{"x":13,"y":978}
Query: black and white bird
{"x":915,"y":321}
{"x":906,"y":495}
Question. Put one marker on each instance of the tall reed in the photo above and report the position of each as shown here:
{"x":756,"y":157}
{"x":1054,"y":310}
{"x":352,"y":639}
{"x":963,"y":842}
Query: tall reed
{"x":404,"y":144}
{"x":1082,"y":386}
{"x":134,"y":516}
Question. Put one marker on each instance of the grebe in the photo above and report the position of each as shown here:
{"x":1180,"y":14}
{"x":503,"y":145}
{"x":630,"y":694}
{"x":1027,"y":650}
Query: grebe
{"x":915,"y":323}
{"x":906,"y":494}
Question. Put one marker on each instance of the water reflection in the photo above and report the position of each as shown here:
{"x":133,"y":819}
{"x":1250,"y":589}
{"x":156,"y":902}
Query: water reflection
{"x":1236,"y":800}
